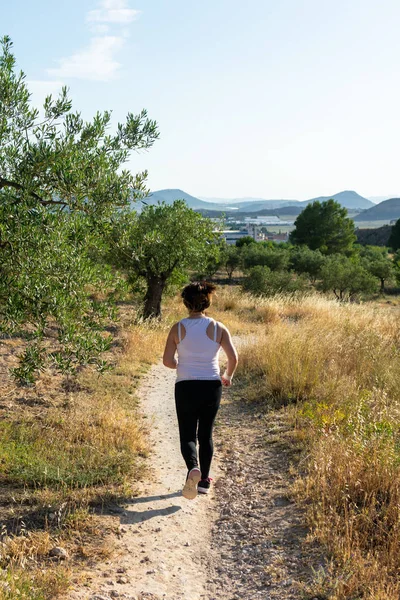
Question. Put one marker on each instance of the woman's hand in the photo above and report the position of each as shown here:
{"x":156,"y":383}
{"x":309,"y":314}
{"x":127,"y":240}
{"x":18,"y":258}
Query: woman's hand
{"x":226,"y":380}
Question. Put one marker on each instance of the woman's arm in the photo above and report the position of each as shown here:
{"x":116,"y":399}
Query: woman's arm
{"x":231,"y":354}
{"x":169,"y":359}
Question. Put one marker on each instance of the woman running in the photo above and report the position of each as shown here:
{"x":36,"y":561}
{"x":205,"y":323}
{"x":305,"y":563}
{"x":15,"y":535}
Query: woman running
{"x":198,"y":340}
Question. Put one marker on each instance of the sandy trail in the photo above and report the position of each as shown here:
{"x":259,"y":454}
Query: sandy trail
{"x":164,"y":551}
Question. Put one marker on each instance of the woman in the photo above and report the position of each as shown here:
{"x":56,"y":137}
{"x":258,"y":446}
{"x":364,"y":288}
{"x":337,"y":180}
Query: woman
{"x":198,"y":340}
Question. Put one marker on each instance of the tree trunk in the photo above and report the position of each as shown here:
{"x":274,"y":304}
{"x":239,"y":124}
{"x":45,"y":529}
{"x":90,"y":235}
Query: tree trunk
{"x":152,"y":299}
{"x":382,"y":290}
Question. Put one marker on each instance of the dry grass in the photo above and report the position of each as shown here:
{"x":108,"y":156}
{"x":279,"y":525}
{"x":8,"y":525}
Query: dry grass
{"x":337,"y":367}
{"x":67,"y":447}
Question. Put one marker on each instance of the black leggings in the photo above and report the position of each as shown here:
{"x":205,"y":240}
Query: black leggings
{"x":197,"y":402}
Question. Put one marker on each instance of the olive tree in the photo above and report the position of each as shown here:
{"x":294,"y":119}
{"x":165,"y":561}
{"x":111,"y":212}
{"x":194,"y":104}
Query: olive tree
{"x":60,"y":178}
{"x":306,"y":261}
{"x":231,"y":260}
{"x":276,"y":258}
{"x":160,"y":243}
{"x":346,"y":278}
{"x":377,"y":262}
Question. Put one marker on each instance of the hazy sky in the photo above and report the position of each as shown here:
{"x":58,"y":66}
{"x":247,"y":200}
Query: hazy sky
{"x":265,"y":98}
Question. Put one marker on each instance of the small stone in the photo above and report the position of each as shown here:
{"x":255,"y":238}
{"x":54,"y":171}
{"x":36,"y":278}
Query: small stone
{"x":187,"y":544}
{"x":145,"y":559}
{"x":121,"y":570}
{"x":122,"y":580}
{"x":97,"y":597}
{"x":58,"y":552}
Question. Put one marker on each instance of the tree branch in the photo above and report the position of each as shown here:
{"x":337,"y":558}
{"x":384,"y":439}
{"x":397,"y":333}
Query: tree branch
{"x":17,"y":186}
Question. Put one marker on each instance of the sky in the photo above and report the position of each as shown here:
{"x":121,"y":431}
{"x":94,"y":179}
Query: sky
{"x":266,"y":98}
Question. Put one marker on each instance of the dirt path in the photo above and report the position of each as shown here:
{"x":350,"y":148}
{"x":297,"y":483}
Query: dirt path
{"x":164,"y":551}
{"x":244,"y":541}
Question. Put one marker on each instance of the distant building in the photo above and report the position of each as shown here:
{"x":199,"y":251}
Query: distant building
{"x":267,"y":220}
{"x":254,"y":230}
{"x":233,"y":235}
{"x":278,"y":237}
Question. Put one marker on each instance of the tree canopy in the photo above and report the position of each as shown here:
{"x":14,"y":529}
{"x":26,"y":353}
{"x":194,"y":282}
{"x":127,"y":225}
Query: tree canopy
{"x":324,"y":226}
{"x":346,"y":277}
{"x":394,"y":239}
{"x":60,"y":177}
{"x":160,"y":243}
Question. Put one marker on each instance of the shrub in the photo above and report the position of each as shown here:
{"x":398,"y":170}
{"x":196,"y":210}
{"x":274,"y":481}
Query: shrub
{"x":264,"y":282}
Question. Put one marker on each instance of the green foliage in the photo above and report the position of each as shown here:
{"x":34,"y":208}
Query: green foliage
{"x":324,"y":226}
{"x":231,"y":260}
{"x":160,"y":242}
{"x":60,"y":180}
{"x":376,"y":236}
{"x":306,"y":261}
{"x":394,"y":239}
{"x":346,"y":277}
{"x":276,"y":258}
{"x":246,"y":240}
{"x":377,"y":262}
{"x":261,"y":280}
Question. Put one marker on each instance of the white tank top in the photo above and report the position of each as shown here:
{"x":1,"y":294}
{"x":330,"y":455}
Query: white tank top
{"x":197,"y":353}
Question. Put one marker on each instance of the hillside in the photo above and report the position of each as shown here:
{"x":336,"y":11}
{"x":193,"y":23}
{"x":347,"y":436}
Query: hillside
{"x":348,"y":199}
{"x":385,"y":211}
{"x":374,"y":237}
{"x":169,"y":196}
{"x":244,"y":203}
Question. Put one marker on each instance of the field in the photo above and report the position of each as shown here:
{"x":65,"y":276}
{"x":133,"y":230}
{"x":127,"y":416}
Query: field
{"x":69,"y":448}
{"x":334,"y":370}
{"x":330,"y":370}
{"x":371,"y":224}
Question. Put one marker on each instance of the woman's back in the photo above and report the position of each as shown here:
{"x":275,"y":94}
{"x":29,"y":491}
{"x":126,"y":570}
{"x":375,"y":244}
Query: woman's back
{"x":197,"y":352}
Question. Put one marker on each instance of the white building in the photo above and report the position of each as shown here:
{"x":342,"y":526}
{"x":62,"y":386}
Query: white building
{"x":267,"y":220}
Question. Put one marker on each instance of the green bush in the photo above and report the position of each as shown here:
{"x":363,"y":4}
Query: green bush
{"x":264,"y":282}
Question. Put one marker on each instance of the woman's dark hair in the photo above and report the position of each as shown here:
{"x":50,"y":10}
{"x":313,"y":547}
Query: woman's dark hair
{"x":197,"y":295}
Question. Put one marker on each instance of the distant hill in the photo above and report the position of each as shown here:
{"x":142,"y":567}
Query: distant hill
{"x":348,"y":199}
{"x":384,"y":211}
{"x":169,"y":196}
{"x":244,"y":203}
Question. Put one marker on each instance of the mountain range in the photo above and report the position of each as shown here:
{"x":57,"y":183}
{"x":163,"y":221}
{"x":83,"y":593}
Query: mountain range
{"x":384,"y":211}
{"x":348,"y":199}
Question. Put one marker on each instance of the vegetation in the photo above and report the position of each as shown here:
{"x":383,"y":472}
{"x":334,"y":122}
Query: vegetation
{"x":161,"y":244}
{"x":336,"y":369}
{"x":346,"y":277}
{"x":230,"y":260}
{"x":59,"y":178}
{"x":379,"y":236}
{"x":63,"y":458}
{"x":69,"y":241}
{"x":324,"y":226}
{"x":394,"y":239}
{"x":261,"y":280}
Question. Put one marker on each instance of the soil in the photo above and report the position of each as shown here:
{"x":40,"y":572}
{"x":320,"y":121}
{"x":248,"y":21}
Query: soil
{"x":245,"y":540}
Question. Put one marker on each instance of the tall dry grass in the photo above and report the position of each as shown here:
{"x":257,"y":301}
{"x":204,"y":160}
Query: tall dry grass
{"x":85,"y":448}
{"x":338,"y":367}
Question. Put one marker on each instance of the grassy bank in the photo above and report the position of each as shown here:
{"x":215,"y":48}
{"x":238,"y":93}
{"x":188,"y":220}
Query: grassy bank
{"x":337,"y":369}
{"x":68,"y":447}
